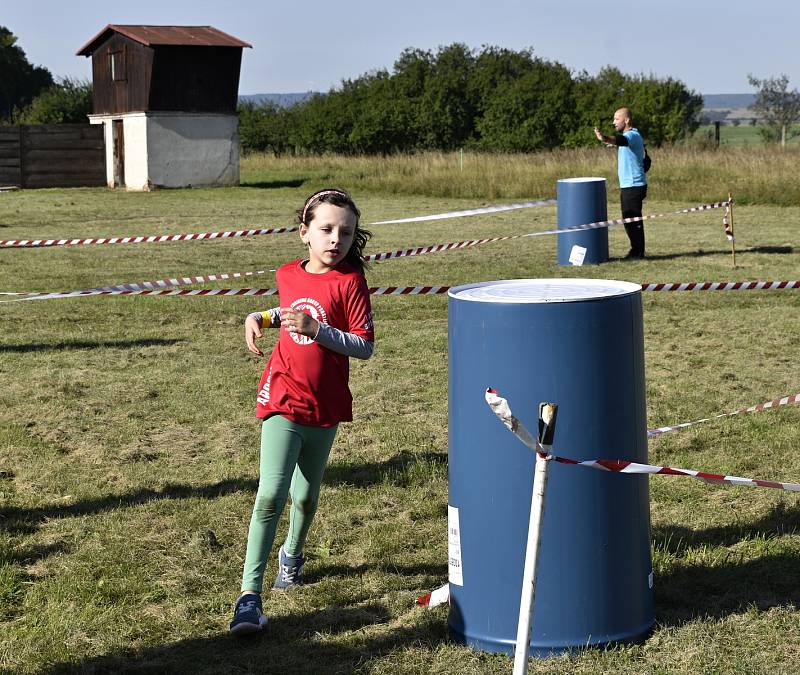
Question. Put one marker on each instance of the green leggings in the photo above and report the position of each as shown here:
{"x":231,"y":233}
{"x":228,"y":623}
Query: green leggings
{"x":293,"y":460}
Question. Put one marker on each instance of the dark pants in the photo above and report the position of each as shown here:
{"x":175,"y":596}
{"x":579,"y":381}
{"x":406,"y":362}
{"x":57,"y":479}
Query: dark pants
{"x":631,"y":201}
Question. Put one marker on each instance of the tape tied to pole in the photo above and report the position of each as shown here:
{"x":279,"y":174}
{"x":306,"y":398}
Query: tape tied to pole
{"x":500,"y":407}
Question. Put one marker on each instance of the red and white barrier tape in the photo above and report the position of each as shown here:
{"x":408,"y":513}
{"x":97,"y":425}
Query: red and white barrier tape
{"x":501,"y":408}
{"x":722,"y":286}
{"x":470,"y":212}
{"x":726,"y":224}
{"x":375,"y":290}
{"x":408,"y":290}
{"x":434,"y":598}
{"x":774,"y":403}
{"x":438,"y":248}
{"x":29,"y":243}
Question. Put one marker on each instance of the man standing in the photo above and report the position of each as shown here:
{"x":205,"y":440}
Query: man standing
{"x":632,"y":181}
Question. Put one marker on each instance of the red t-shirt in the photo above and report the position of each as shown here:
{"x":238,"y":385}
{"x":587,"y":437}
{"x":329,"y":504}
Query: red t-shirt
{"x":304,"y":381}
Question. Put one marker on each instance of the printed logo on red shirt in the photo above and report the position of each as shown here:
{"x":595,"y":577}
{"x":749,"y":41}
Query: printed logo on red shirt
{"x":313,"y":309}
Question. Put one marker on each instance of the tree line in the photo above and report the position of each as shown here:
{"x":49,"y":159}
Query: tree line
{"x":492,"y":99}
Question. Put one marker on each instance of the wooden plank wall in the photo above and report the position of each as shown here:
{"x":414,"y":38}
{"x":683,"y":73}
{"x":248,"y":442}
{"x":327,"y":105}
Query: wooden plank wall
{"x":9,"y":156}
{"x":52,"y":155}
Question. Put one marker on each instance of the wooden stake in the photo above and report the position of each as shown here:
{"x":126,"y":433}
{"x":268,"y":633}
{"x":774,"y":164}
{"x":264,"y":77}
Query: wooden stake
{"x":730,"y":225}
{"x":547,"y":428}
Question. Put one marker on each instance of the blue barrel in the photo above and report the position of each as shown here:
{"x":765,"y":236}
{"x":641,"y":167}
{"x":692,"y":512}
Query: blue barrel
{"x":578,"y":343}
{"x":582,"y":201}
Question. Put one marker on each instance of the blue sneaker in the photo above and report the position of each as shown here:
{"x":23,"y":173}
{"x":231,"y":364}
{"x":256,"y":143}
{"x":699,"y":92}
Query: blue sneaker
{"x":290,"y":571}
{"x":247,"y":615}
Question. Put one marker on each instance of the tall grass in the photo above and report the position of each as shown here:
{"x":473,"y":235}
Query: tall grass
{"x":766,"y":175}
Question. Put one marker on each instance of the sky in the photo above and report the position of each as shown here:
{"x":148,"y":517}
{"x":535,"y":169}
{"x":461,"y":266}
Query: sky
{"x":312,"y":45}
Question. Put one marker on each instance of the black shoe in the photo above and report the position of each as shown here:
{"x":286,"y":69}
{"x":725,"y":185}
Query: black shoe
{"x":632,"y":254}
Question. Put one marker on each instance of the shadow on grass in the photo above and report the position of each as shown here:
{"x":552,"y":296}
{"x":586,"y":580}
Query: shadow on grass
{"x":729,"y":584}
{"x":396,"y":470}
{"x":319,"y":570}
{"x":88,"y":344}
{"x":37,"y":552}
{"x":295,"y":644}
{"x":275,"y":184}
{"x":20,"y":520}
{"x":781,"y":520}
{"x":702,"y":253}
{"x":732,"y":586}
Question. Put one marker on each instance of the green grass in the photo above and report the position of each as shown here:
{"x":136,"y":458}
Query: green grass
{"x":128,"y":447}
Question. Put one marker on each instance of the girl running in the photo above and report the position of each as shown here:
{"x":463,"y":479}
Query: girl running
{"x":325,"y":317}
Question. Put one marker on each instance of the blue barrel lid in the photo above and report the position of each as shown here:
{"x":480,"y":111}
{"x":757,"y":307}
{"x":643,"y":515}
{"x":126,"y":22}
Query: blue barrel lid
{"x":535,"y":291}
{"x":585,"y":179}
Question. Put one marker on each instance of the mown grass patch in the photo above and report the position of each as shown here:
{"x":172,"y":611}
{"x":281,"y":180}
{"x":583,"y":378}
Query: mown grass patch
{"x":128,"y":448}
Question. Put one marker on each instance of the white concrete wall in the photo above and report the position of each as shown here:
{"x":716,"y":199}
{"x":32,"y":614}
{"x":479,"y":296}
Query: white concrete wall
{"x":108,"y":139}
{"x":137,"y":158}
{"x":174,"y":150}
{"x":192,"y":150}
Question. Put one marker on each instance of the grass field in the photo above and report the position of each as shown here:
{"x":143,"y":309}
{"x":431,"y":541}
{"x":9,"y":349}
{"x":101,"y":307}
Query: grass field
{"x":128,"y":447}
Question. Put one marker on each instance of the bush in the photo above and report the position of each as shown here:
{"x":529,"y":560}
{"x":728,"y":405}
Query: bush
{"x":69,"y":100}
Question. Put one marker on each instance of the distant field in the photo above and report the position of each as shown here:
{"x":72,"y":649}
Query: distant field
{"x":128,"y":445}
{"x":743,"y":134}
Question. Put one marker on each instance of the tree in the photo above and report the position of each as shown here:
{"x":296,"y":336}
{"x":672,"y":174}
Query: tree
{"x":20,"y":81}
{"x":446,"y":115}
{"x":779,"y":108}
{"x":531,"y":112}
{"x":69,"y":100}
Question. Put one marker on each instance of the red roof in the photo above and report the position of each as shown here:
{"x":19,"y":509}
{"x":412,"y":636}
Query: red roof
{"x":151,"y":36}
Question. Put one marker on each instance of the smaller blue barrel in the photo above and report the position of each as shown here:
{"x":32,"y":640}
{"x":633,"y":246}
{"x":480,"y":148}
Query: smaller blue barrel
{"x":582,"y":201}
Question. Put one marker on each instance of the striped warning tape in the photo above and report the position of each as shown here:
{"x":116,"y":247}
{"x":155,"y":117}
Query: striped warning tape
{"x":620,"y":466}
{"x":180,"y":281}
{"x":438,"y":597}
{"x":500,"y":407}
{"x":30,"y":243}
{"x":722,"y":286}
{"x":185,"y":292}
{"x":774,"y":403}
{"x":401,"y":290}
{"x":438,"y":248}
{"x":142,"y":285}
{"x":470,"y":212}
{"x":412,"y":290}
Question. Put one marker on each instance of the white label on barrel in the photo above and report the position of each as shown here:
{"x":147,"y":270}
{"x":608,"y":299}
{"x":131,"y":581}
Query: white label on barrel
{"x":454,"y":572}
{"x":577,"y":254}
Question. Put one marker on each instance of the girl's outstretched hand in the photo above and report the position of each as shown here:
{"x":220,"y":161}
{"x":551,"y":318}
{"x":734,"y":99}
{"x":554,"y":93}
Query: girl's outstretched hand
{"x":297,"y":321}
{"x":252,"y":330}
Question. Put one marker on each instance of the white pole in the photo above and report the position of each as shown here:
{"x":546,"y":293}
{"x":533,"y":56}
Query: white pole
{"x":547,"y":419}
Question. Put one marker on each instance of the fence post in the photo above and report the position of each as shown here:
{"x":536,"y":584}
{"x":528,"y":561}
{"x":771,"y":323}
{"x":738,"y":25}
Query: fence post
{"x":22,"y":134}
{"x":716,"y":132}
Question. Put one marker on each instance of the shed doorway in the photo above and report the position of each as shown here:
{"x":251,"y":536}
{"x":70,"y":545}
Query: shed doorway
{"x":118,"y":134}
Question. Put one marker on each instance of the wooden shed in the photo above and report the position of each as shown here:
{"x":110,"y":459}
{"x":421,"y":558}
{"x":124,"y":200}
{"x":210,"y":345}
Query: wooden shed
{"x":167,"y":98}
